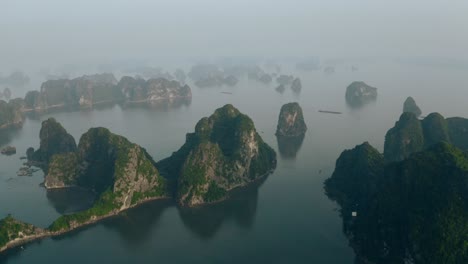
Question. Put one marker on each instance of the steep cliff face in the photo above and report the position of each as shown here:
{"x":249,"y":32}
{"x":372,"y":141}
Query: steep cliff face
{"x":11,"y":114}
{"x":404,"y":138}
{"x":54,"y":139}
{"x":137,"y":90}
{"x":416,"y":209}
{"x":359,"y":93}
{"x":291,"y":121}
{"x":120,"y":172}
{"x":410,"y":106}
{"x":411,"y":135}
{"x":107,"y":162}
{"x":62,"y":171}
{"x":224,"y":152}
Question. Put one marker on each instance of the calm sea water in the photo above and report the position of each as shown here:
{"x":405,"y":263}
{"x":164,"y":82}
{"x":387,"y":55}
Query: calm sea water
{"x":285,"y":219}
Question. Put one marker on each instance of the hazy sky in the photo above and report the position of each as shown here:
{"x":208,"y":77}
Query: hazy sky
{"x":67,"y":31}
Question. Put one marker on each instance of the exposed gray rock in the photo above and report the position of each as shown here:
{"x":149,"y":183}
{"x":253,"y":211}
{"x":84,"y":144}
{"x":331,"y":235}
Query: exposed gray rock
{"x":359,"y":93}
{"x":291,"y":121}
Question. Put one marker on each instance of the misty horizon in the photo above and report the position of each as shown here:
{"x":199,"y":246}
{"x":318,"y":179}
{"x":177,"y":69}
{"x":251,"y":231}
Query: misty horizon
{"x":66,"y":32}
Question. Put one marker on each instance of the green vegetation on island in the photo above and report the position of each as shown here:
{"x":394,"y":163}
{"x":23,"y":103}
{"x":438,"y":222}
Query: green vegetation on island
{"x":415,"y":210}
{"x":410,"y":135}
{"x":224,"y":152}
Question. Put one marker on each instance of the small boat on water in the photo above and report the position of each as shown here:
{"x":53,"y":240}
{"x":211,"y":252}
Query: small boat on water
{"x":226,"y":92}
{"x":330,"y":112}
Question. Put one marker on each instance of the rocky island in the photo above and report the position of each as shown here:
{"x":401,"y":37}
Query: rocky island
{"x":411,"y":211}
{"x":89,"y":91}
{"x":223,"y":153}
{"x":152,"y":91}
{"x":78,"y":93}
{"x":280,"y":89}
{"x":410,"y":135}
{"x":285,"y":79}
{"x":410,"y":106}
{"x":11,"y":115}
{"x":291,"y":121}
{"x":258,"y":74}
{"x":359,"y":94}
{"x":8,"y":150}
{"x":54,"y":139}
{"x":296,"y":85}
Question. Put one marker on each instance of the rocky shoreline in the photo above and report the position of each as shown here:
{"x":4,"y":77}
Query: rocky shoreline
{"x":46,"y":233}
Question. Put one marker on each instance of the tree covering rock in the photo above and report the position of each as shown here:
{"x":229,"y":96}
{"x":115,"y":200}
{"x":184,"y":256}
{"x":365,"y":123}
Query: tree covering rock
{"x":404,"y":138}
{"x":359,"y":93}
{"x":411,"y":106}
{"x":411,"y":135}
{"x":120,"y":172}
{"x":435,"y":129}
{"x":296,"y":85}
{"x":224,"y":152}
{"x":12,"y":229}
{"x":458,"y":131}
{"x":412,"y":211}
{"x":54,"y":139}
{"x":355,"y":176}
{"x":291,"y":121}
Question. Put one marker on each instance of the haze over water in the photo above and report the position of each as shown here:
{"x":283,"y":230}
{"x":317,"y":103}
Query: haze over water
{"x":403,"y":48}
{"x":286,"y":218}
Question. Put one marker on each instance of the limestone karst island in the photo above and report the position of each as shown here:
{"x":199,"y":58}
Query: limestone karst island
{"x":220,"y":131}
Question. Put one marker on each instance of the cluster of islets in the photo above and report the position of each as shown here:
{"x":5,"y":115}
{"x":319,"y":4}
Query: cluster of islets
{"x":132,"y":177}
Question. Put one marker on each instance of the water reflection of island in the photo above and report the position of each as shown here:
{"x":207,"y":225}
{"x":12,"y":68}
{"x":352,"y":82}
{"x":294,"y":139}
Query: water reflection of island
{"x":289,"y":146}
{"x":70,"y":200}
{"x":206,"y":220}
{"x":6,"y":135}
{"x":134,"y":225}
